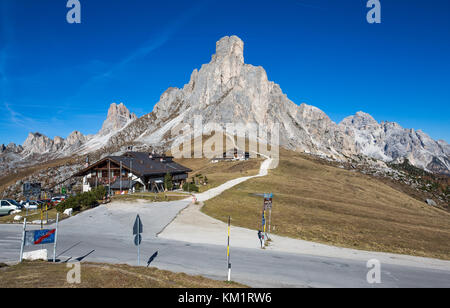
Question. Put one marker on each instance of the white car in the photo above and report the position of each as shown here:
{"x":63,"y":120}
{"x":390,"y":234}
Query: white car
{"x":7,"y":207}
{"x":31,"y":205}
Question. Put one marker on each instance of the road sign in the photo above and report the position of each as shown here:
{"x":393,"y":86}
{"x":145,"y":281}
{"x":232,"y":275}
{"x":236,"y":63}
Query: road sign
{"x":138,"y":227}
{"x":38,"y":237}
{"x":137,"y":230}
{"x":138,"y":240}
{"x":268,"y":202}
{"x":31,"y":189}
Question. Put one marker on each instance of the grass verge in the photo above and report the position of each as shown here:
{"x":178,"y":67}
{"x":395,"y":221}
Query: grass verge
{"x":96,"y":275}
{"x":32,"y":215}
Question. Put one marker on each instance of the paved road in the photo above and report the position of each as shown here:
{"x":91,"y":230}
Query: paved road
{"x":104,"y":235}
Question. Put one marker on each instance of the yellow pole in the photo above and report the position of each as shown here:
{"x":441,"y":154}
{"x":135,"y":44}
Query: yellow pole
{"x":228,"y":246}
{"x":264,"y":222}
{"x":228,"y":249}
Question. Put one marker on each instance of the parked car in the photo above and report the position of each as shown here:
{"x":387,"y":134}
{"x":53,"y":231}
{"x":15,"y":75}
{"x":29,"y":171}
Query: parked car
{"x":44,"y":202}
{"x":31,"y":205}
{"x":14,"y":202}
{"x":57,"y":200}
{"x":7,"y":207}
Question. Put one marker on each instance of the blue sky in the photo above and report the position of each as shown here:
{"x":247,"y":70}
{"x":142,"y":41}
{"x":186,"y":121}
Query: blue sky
{"x":57,"y":77}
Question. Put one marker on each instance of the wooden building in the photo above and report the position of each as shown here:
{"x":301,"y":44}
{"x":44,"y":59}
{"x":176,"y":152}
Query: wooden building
{"x":232,"y":155}
{"x":135,"y":171}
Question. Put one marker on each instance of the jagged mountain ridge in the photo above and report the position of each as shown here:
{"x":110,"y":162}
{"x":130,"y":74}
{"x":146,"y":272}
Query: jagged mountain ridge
{"x":388,"y":141}
{"x":38,"y":147}
{"x":227,"y":90}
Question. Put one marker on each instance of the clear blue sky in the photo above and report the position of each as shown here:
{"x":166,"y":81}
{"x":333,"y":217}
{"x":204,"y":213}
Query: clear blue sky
{"x":56,"y":77}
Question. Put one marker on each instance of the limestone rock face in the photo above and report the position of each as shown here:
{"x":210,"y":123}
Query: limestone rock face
{"x":11,"y":148}
{"x":388,"y":141}
{"x":227,"y":90}
{"x":75,"y":138}
{"x":118,"y":117}
{"x":41,"y":144}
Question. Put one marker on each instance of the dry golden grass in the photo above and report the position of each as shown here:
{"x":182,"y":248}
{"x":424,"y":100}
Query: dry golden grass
{"x":32,"y":274}
{"x":321,"y":203}
{"x":32,"y":215}
{"x":221,"y":172}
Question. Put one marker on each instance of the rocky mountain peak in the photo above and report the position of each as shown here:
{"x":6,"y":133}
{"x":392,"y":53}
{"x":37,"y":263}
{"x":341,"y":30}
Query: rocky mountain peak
{"x":360,"y":120}
{"x":38,"y":143}
{"x":226,"y":90}
{"x":75,"y":138}
{"x":230,"y":48}
{"x":118,"y":117}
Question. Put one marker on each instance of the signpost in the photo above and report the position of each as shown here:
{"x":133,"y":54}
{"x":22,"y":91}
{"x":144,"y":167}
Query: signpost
{"x":56,"y":238}
{"x":42,"y":216}
{"x":268,"y":206}
{"x":30,"y":190}
{"x":23,"y":239}
{"x":228,"y":249}
{"x":264,"y":228}
{"x":137,"y":230}
{"x":39,"y":237}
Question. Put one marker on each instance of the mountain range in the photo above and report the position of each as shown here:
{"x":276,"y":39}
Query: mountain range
{"x":227,"y":90}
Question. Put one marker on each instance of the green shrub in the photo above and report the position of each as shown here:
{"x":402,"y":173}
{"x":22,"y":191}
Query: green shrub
{"x":86,"y":200}
{"x":99,"y":192}
{"x":69,"y":203}
{"x":168,"y":184}
{"x":190,"y":187}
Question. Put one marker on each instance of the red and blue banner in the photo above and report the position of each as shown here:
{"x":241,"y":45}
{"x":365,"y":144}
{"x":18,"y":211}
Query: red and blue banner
{"x":39,"y":237}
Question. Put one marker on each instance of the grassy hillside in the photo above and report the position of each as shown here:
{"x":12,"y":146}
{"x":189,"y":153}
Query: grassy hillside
{"x":322,"y":203}
{"x":221,"y":172}
{"x":32,"y":274}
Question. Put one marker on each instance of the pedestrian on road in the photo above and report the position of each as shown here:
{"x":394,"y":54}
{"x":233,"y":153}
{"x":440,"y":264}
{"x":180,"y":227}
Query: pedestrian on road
{"x":260,"y":237}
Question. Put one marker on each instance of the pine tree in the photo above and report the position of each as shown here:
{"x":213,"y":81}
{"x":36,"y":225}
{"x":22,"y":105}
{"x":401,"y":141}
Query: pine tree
{"x":168,"y":184}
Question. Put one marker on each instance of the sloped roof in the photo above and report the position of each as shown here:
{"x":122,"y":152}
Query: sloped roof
{"x":125,"y":184}
{"x":142,"y":164}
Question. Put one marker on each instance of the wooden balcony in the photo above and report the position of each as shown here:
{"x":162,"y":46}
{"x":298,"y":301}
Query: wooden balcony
{"x":98,"y":181}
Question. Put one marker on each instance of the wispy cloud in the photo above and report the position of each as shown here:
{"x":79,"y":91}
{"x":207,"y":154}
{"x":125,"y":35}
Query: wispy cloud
{"x":148,"y":47}
{"x":18,"y":118}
